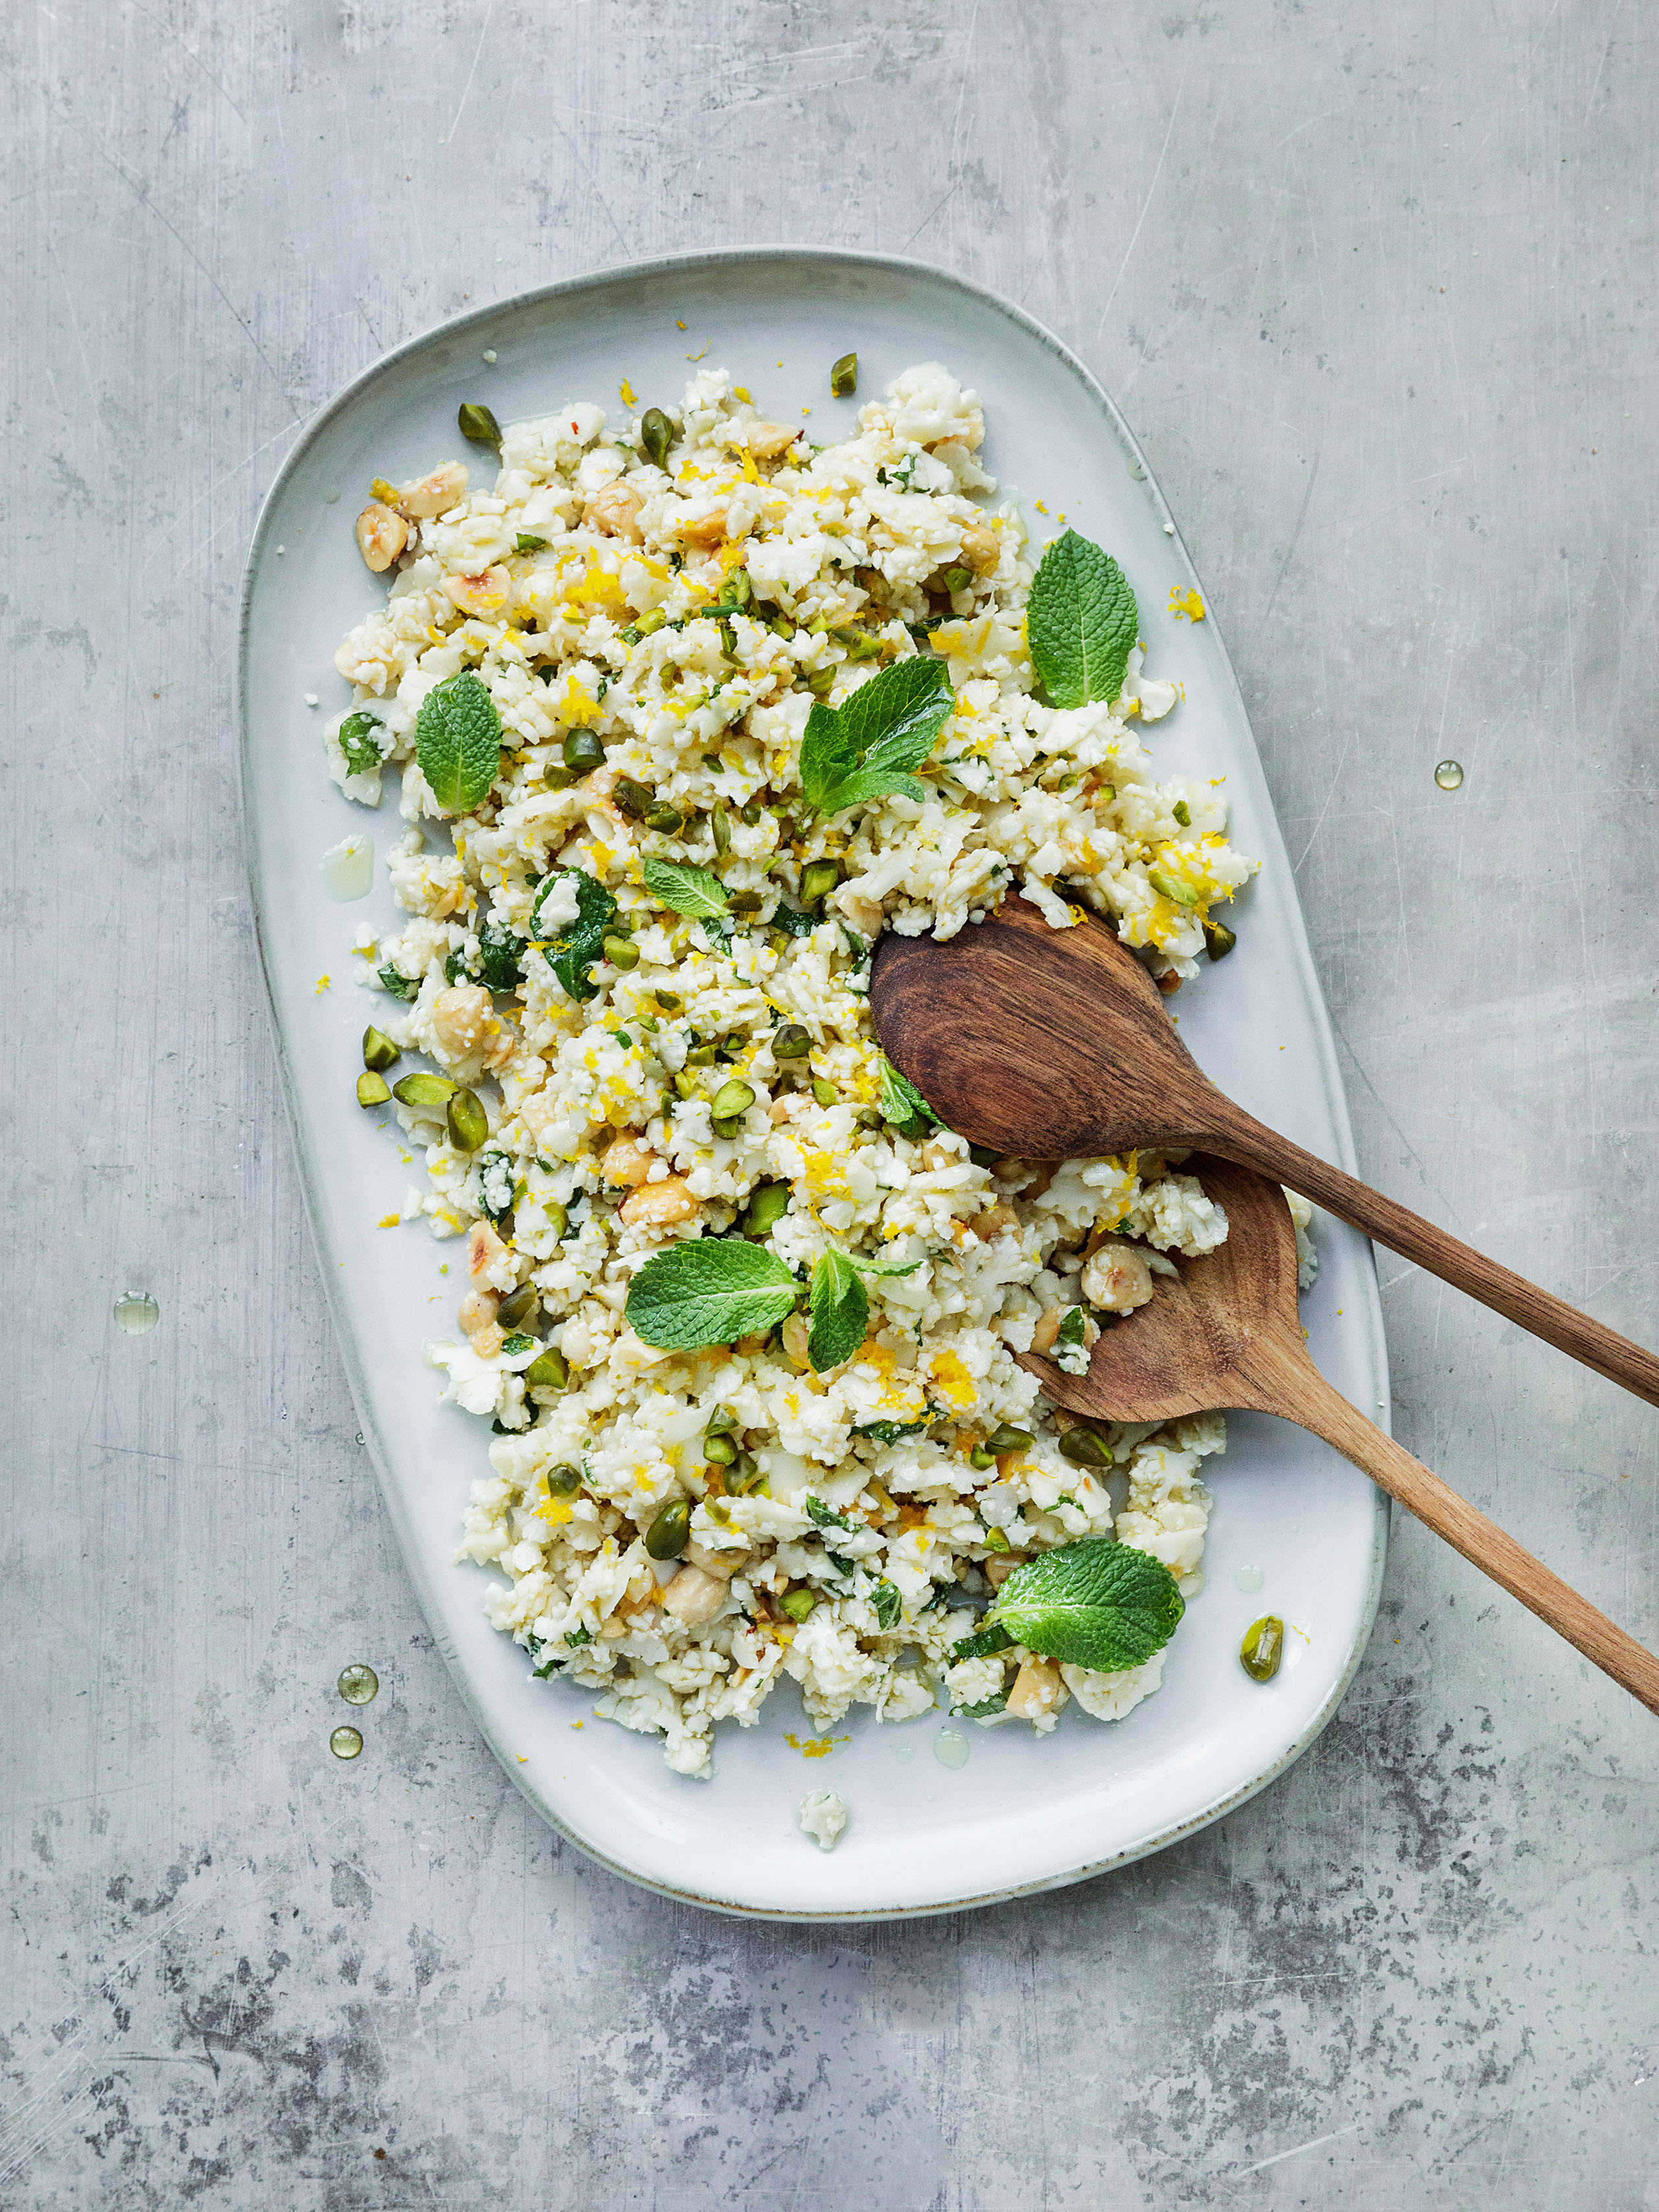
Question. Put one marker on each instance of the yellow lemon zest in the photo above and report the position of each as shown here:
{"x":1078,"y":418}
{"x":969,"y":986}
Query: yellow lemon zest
{"x":815,"y":1746}
{"x":954,"y":1381}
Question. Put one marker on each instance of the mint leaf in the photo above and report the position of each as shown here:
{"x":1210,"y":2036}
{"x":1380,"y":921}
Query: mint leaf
{"x":582,"y":942}
{"x":1081,"y":623}
{"x":711,"y":1291}
{"x":827,"y":758}
{"x":458,"y":742}
{"x":986,"y":1707}
{"x":902,"y":1103}
{"x":686,"y":889}
{"x":888,"y":1603}
{"x":983,"y":1643}
{"x":793,"y":920}
{"x":357,"y":743}
{"x":840,"y":1308}
{"x":882,"y":1267}
{"x":825,"y":1516}
{"x":1095,"y":1604}
{"x":891,"y":1432}
{"x":867,"y":746}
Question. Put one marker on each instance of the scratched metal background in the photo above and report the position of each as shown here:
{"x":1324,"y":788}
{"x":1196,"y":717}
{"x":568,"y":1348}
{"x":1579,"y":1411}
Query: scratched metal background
{"x":1376,"y":287}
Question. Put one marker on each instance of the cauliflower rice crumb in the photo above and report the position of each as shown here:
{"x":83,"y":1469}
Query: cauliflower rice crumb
{"x":841,"y":1542}
{"x":823,"y":1816}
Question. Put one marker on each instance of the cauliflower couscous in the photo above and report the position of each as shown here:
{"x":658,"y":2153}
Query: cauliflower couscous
{"x":687,"y":711}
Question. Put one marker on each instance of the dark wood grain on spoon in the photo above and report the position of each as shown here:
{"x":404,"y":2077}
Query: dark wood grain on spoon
{"x":1226,"y":1333}
{"x":1055,"y":1044}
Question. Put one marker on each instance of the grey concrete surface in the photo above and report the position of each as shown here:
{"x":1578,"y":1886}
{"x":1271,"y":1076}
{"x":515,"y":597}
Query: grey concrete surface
{"x":1376,"y":287}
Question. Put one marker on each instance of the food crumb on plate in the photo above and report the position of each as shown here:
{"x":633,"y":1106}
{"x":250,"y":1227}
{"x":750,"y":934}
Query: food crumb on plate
{"x":823,"y":1816}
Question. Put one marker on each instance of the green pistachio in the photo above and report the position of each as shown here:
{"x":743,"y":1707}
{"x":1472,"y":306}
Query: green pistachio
{"x":518,"y":1307}
{"x":670,"y":1530}
{"x":468,"y":1124}
{"x":768,"y":1204}
{"x":1084,"y":1448}
{"x":424,"y":1089}
{"x":732,"y":1100}
{"x":478,"y":424}
{"x":817,"y":879}
{"x":743,"y":1476}
{"x":656,"y":436}
{"x":1003,"y":1438}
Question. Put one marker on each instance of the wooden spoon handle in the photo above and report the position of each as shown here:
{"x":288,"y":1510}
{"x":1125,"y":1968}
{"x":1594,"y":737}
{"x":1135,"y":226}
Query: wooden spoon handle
{"x":1307,"y":1398}
{"x":1239,"y":1137}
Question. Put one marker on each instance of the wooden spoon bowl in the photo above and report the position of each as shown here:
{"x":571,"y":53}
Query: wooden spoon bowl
{"x":1225,"y":1331}
{"x":1054,"y":1044}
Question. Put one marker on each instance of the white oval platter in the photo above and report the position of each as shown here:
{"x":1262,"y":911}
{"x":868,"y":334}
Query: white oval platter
{"x":1023,"y":1814}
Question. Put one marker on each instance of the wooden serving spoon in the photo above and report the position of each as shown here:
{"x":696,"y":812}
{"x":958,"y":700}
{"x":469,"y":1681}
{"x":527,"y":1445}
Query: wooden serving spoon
{"x":1225,"y":1331}
{"x":1054,"y":1044}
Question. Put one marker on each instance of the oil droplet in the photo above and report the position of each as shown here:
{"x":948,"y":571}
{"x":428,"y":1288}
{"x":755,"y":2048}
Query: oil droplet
{"x":345,"y":1743}
{"x":1135,"y":470}
{"x":1250,"y":1579}
{"x":358,"y":1684}
{"x":348,"y":868}
{"x":951,"y":1747}
{"x":1449,"y":774}
{"x":331,"y":496}
{"x":137,"y":1312}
